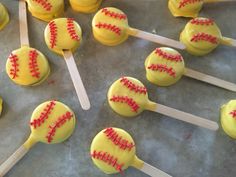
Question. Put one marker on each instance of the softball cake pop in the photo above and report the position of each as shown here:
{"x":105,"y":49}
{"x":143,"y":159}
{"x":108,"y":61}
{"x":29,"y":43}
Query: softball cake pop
{"x":46,"y":10}
{"x":63,"y":36}
{"x":51,"y":122}
{"x":128,"y":97}
{"x":113,"y":150}
{"x":4,"y":17}
{"x":202,"y":35}
{"x":110,"y":27}
{"x":228,"y":118}
{"x":85,"y":6}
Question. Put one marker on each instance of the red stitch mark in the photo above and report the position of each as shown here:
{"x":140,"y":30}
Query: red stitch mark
{"x":71,"y":29}
{"x":199,"y":21}
{"x":14,"y":65}
{"x":204,"y":37}
{"x":43,"y":115}
{"x":114,"y":14}
{"x":133,"y":87}
{"x":183,"y":3}
{"x":107,"y":158}
{"x":233,"y":113}
{"x":124,"y":99}
{"x":34,"y":69}
{"x":162,"y":68}
{"x":110,"y":27}
{"x":171,"y":57}
{"x":117,"y":140}
{"x":45,"y":4}
{"x":60,"y":121}
{"x":53,"y":33}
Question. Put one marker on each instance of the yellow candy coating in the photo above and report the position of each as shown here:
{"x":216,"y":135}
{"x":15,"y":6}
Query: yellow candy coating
{"x":46,"y":10}
{"x":85,"y":6}
{"x":228,"y":118}
{"x":113,"y":150}
{"x":1,"y":106}
{"x":164,"y":66}
{"x":27,"y":66}
{"x":110,"y":26}
{"x":185,"y":8}
{"x":201,"y":36}
{"x":4,"y":17}
{"x":63,"y":34}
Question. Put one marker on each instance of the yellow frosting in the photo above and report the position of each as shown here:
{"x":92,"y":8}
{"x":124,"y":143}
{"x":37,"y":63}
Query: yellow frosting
{"x":185,"y":8}
{"x":4,"y":17}
{"x":110,"y":26}
{"x":51,"y":122}
{"x":228,"y":118}
{"x":201,"y":36}
{"x":86,"y":6}
{"x":46,"y":10}
{"x":27,"y":66}
{"x":113,"y":150}
{"x":164,"y":66}
{"x":63,"y":34}
{"x":0,"y":106}
{"x":128,"y":97}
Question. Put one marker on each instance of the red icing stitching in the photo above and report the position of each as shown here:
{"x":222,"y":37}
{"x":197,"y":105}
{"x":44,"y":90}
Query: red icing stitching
{"x":133,"y":87}
{"x":110,"y":27}
{"x":43,"y":115}
{"x":71,"y":29}
{"x":183,"y":3}
{"x":162,"y":68}
{"x":124,"y":99}
{"x":14,"y":65}
{"x":53,"y":33}
{"x":107,"y":158}
{"x":199,"y":21}
{"x":34,"y":69}
{"x":114,"y":14}
{"x":233,"y":113}
{"x":45,"y":4}
{"x":117,"y":140}
{"x":60,"y":121}
{"x":171,"y":57}
{"x":204,"y":37}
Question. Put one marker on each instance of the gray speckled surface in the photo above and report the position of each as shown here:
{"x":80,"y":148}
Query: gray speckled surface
{"x":178,"y":148}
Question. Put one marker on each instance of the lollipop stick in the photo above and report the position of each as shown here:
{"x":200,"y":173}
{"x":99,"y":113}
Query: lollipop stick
{"x":12,"y":160}
{"x":209,"y":79}
{"x":152,"y":171}
{"x":210,"y":1}
{"x":77,"y":81}
{"x":24,"y":38}
{"x":156,"y":38}
{"x":228,"y":41}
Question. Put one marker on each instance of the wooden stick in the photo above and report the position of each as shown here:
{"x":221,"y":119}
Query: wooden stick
{"x":212,"y":1}
{"x":152,"y":171}
{"x":77,"y":81}
{"x":156,"y":38}
{"x":183,"y":116}
{"x":12,"y":160}
{"x":228,"y":41}
{"x":209,"y":79}
{"x":24,"y":38}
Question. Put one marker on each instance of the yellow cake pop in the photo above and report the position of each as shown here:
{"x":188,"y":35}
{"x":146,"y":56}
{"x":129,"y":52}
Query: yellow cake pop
{"x":85,"y":6}
{"x":4,"y":17}
{"x":228,"y":118}
{"x":46,"y":10}
{"x":1,"y":106}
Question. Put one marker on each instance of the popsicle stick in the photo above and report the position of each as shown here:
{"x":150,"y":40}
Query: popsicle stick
{"x":24,"y":38}
{"x":12,"y":160}
{"x":228,"y":41}
{"x":183,"y":116}
{"x":156,"y":38}
{"x":210,"y":1}
{"x":77,"y":81}
{"x":152,"y":171}
{"x":209,"y":79}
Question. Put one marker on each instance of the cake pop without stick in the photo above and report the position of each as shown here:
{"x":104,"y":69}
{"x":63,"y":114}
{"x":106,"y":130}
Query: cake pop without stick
{"x":63,"y":36}
{"x":4,"y":16}
{"x":165,"y":66}
{"x":189,"y":8}
{"x":85,"y":6}
{"x":128,"y":97}
{"x":202,"y":35}
{"x":113,"y":150}
{"x":51,"y":122}
{"x":110,"y":27}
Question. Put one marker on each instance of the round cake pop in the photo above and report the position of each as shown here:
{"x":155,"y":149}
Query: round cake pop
{"x":4,"y":17}
{"x":228,"y":118}
{"x":27,"y":66}
{"x":85,"y":6}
